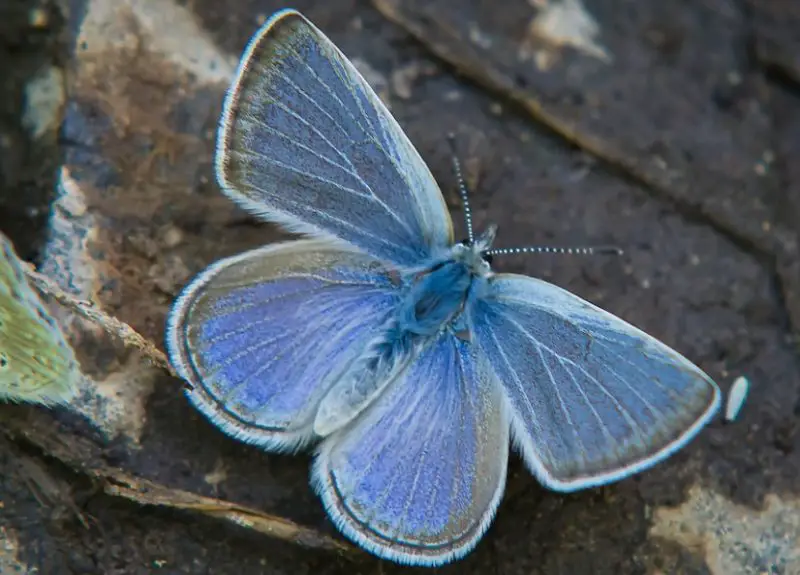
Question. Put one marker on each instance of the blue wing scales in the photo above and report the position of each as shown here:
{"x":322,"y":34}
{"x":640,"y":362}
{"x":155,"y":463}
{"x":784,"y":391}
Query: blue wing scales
{"x":418,"y":476}
{"x":592,"y":399}
{"x":305,"y":142}
{"x":263,"y":335}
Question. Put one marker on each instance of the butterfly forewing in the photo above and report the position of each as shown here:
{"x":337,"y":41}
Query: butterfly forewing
{"x":261,"y":335}
{"x":592,"y":398}
{"x":305,"y":142}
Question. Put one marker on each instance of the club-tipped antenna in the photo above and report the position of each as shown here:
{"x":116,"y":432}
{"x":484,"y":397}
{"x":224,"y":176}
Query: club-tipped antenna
{"x":462,"y":187}
{"x":577,"y":251}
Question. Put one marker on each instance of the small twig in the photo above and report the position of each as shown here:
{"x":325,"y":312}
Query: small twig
{"x":146,"y":492}
{"x":83,"y":456}
{"x":109,"y":324}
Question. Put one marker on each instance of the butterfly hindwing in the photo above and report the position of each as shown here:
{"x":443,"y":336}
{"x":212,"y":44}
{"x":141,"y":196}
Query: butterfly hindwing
{"x":418,"y":476}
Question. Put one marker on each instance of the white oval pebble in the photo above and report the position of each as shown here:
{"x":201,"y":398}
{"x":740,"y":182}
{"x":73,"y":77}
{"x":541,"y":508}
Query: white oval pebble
{"x":736,"y":397}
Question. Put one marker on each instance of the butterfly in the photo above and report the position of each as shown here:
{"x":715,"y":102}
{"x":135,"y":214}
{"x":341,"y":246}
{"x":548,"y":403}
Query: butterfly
{"x":36,"y":363}
{"x":394,"y":348}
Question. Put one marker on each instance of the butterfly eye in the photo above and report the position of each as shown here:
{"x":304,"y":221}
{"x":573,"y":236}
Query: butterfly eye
{"x":488,"y":258}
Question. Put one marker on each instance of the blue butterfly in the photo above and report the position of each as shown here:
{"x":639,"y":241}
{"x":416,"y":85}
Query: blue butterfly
{"x":397,"y":349}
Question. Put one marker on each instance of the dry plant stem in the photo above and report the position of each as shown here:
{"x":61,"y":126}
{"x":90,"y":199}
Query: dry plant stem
{"x":85,"y":457}
{"x":146,"y":492}
{"x":111,"y":325}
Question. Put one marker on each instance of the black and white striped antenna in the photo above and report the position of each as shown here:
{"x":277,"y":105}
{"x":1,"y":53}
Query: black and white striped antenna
{"x":464,"y":192}
{"x":462,"y":187}
{"x":573,"y":251}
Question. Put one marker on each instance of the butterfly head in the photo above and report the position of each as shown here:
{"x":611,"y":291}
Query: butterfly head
{"x":473,"y":253}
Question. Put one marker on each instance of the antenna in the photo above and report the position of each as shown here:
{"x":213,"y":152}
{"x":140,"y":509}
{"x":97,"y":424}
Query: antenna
{"x":462,"y":186}
{"x":576,"y":251}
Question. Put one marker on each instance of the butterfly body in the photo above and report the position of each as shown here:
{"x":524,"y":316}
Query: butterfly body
{"x":432,"y":302}
{"x":395,"y":349}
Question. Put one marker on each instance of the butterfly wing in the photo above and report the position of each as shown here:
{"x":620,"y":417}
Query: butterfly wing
{"x":305,"y":142}
{"x":418,"y":476}
{"x":36,"y":362}
{"x":592,"y":398}
{"x":261,"y":336}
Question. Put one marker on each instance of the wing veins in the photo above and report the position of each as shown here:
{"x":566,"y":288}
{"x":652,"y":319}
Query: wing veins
{"x":286,"y":78}
{"x":388,"y":489}
{"x":267,"y":127}
{"x":589,"y":404}
{"x":368,"y":288}
{"x":385,"y":439}
{"x":371,"y":133}
{"x":376,"y":134}
{"x":298,"y":275}
{"x":624,"y":412}
{"x":258,"y":371}
{"x":667,"y":389}
{"x":424,"y":456}
{"x":262,"y":368}
{"x":311,"y":175}
{"x":474,"y":411}
{"x":260,"y":345}
{"x":226,"y":396}
{"x":325,"y":85}
{"x":558,"y":394}
{"x":518,"y":383}
{"x":351,"y":170}
{"x":653,"y":410}
{"x":339,"y":68}
{"x":325,"y":215}
{"x":267,"y":300}
{"x":595,"y":337}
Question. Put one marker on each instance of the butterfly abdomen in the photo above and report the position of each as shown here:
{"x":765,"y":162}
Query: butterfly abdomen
{"x":382,"y":360}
